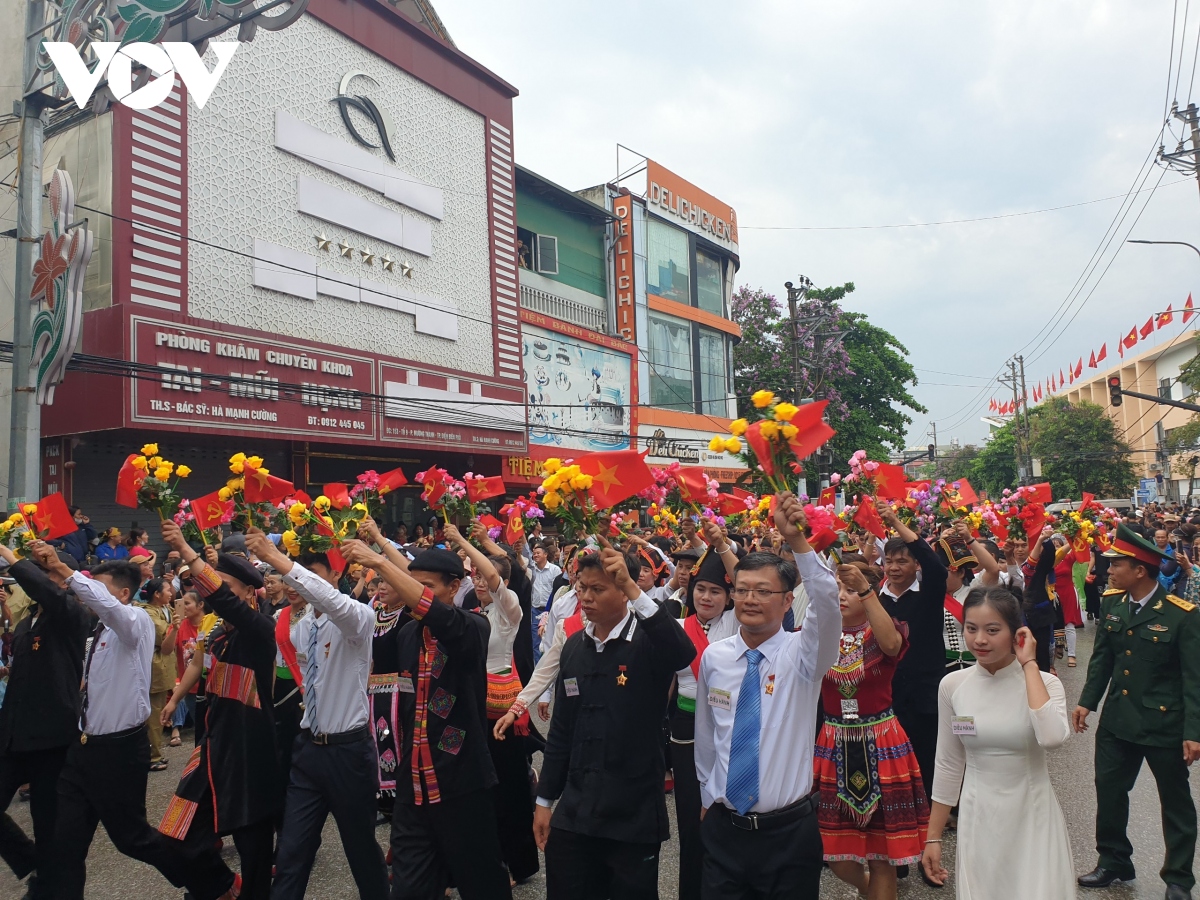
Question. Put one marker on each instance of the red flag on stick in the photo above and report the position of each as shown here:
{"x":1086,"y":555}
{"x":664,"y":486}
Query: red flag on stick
{"x":1147,"y":328}
{"x":1188,"y":310}
{"x":891,"y":482}
{"x":813,"y":432}
{"x":210,"y":509}
{"x":828,"y":496}
{"x":1103,"y":354}
{"x":338,"y":494}
{"x":1044,"y":493}
{"x":729,"y":505}
{"x":129,"y":479}
{"x":53,"y":519}
{"x":485,"y":488}
{"x":867,"y":517}
{"x":1166,"y":317}
{"x":693,"y":485}
{"x":389,"y":481}
{"x":263,"y":487}
{"x":514,"y":531}
{"x":616,"y":475}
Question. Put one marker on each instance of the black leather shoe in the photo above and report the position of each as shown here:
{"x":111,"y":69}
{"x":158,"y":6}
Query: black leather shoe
{"x":1100,"y":877}
{"x":1178,"y":892}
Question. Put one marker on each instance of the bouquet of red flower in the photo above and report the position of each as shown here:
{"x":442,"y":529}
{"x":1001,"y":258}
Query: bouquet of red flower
{"x":778,"y":435}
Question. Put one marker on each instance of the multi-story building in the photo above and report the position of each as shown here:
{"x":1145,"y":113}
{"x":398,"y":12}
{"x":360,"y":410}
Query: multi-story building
{"x":1147,"y":426}
{"x":318,"y":266}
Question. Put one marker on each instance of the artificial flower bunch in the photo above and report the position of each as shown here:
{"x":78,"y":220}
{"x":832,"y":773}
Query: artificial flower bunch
{"x":531,"y":513}
{"x":918,"y":510}
{"x":371,"y":488}
{"x":768,"y":449}
{"x":446,"y":493}
{"x":319,"y":527}
{"x":156,"y":490}
{"x":256,"y":514}
{"x":564,"y":493}
{"x":17,"y":531}
{"x":1022,"y":513}
{"x":664,"y":518}
{"x":773,"y":439}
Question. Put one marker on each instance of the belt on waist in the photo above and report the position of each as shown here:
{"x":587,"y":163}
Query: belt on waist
{"x":284,"y":672}
{"x":776,"y":818}
{"x":85,"y":738}
{"x":341,"y":737}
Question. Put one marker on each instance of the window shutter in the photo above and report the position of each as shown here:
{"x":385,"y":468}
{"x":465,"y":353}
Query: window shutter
{"x":547,"y":254}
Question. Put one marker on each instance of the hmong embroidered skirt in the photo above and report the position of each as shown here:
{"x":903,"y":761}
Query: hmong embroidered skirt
{"x":872,"y":803}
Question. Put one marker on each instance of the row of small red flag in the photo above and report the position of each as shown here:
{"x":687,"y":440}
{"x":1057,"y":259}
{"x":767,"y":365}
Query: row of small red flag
{"x":1054,"y":384}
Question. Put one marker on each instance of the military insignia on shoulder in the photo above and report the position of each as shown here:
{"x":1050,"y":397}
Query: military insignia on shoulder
{"x":1181,"y":603}
{"x":1112,"y":591}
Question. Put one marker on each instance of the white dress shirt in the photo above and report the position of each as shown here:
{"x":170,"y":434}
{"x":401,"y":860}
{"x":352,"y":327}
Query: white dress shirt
{"x":560,"y":610}
{"x":543,"y":581}
{"x":344,"y":632}
{"x":793,"y":665}
{"x":723,"y":626}
{"x":118,"y":680}
{"x":298,"y":634}
{"x":504,"y":615}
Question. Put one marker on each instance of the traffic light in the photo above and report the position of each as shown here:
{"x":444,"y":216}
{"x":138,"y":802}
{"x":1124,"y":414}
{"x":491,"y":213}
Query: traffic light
{"x":1114,"y":389}
{"x":932,"y":452}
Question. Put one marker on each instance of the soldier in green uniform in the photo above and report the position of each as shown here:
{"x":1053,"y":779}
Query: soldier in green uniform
{"x":1147,"y":657}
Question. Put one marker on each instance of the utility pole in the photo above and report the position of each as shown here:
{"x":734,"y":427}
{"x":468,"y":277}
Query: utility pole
{"x":24,"y":477}
{"x":1184,"y":160}
{"x":796,"y":296}
{"x":1027,"y":476}
{"x":1013,"y":381}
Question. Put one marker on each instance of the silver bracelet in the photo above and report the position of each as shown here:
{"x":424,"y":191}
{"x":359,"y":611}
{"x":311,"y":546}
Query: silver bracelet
{"x":938,"y":841}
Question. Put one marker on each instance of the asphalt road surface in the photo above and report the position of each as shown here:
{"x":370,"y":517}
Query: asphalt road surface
{"x":112,"y":875}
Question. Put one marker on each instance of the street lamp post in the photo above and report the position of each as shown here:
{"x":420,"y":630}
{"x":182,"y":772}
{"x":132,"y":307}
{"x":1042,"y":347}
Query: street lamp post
{"x":1176,"y":243}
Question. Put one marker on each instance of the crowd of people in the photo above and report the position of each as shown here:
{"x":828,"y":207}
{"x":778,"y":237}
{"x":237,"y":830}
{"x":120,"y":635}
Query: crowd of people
{"x":840,"y":707}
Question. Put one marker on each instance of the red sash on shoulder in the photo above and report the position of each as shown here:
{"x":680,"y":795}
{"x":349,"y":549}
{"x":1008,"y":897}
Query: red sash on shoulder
{"x":283,"y":637}
{"x":574,"y":623}
{"x":699,"y":639}
{"x":954,"y":607}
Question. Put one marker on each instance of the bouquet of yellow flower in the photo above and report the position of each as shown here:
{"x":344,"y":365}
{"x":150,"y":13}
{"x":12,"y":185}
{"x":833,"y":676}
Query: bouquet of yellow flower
{"x":565,"y":496}
{"x":155,"y":489}
{"x":17,"y":533}
{"x":319,"y":527}
{"x":778,"y":435}
{"x":256,"y":512}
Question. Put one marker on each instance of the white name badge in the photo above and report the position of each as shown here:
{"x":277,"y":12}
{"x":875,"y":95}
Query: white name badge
{"x":301,"y":660}
{"x":963,"y":725}
{"x":719,"y":698}
{"x":207,"y":659}
{"x":572,"y":687}
{"x":405,"y":685}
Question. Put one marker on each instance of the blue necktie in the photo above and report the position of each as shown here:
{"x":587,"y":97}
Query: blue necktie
{"x":741,"y":787}
{"x":310,"y":678}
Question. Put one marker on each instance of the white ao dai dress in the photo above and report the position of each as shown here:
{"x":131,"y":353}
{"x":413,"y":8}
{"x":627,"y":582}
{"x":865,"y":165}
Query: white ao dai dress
{"x":1012,"y":837}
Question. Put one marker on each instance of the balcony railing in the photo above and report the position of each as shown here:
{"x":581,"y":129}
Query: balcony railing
{"x":563,"y":309}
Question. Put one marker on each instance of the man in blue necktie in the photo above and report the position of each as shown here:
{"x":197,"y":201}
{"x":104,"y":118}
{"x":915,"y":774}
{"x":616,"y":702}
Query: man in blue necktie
{"x":756,"y":705}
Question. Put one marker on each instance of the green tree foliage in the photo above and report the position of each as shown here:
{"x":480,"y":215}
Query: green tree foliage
{"x":1079,"y":446}
{"x":1081,"y":450}
{"x":958,"y":464}
{"x":867,"y":379}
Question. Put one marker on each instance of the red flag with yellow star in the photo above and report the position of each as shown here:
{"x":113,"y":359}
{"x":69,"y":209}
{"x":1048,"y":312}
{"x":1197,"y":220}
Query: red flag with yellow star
{"x":338,"y":494}
{"x":481,"y":488}
{"x":263,"y":487}
{"x":210,"y":510}
{"x":53,"y":519}
{"x":129,"y":479}
{"x":813,"y":432}
{"x":616,"y":475}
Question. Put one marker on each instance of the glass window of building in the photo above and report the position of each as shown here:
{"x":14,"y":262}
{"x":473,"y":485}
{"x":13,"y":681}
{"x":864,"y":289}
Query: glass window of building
{"x":714,"y":384}
{"x":710,"y":283}
{"x":670,"y":363}
{"x":668,"y":269}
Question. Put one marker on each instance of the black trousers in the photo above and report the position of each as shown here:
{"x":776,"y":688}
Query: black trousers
{"x":687,"y":803}
{"x":209,"y":877}
{"x":581,"y":867}
{"x":104,"y":781}
{"x":1118,"y":763}
{"x":922,"y":729}
{"x":341,"y":779}
{"x":288,"y":715}
{"x":454,"y":840}
{"x":781,"y":863}
{"x":514,"y":808}
{"x":40,"y":770}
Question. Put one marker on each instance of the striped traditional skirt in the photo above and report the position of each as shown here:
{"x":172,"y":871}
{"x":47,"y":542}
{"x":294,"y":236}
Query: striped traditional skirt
{"x":872,"y":803}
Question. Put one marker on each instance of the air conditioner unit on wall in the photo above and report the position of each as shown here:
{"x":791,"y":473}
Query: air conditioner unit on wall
{"x":1155,"y":467}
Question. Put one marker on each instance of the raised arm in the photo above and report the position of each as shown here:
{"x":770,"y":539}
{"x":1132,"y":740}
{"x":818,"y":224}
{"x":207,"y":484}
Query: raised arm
{"x":883,"y":627}
{"x":353,"y":619}
{"x":124,"y":620}
{"x":370,"y":531}
{"x":673,"y":649}
{"x":720,"y":545}
{"x":481,"y":563}
{"x":821,"y":631}
{"x":989,"y":569}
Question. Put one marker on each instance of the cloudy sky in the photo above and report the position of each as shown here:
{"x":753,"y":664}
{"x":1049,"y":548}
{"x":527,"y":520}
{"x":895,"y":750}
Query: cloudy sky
{"x":806,"y":115}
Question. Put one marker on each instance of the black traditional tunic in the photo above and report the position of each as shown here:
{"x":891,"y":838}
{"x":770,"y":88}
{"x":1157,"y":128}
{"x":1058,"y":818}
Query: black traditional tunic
{"x":604,"y":755}
{"x":233,"y":775}
{"x":385,"y":697}
{"x":442,"y":657}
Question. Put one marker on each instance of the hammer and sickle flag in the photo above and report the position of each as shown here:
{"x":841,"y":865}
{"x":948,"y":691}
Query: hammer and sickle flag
{"x":210,"y":509}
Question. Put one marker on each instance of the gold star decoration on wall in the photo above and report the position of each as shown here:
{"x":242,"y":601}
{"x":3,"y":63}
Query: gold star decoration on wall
{"x":367,"y":257}
{"x":406,"y":270}
{"x":345,"y":249}
{"x":388,"y":263}
{"x":323,"y":242}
